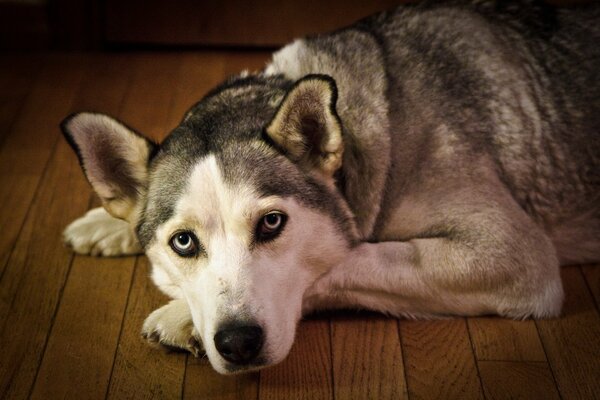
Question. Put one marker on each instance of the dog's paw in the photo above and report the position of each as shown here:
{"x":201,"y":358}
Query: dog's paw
{"x":100,"y":234}
{"x":171,"y":326}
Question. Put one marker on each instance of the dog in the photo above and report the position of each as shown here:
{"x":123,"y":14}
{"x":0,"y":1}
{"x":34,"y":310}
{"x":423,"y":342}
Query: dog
{"x":438,"y":159}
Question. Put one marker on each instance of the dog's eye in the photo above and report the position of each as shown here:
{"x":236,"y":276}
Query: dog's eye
{"x":185,"y":244}
{"x":270,"y":226}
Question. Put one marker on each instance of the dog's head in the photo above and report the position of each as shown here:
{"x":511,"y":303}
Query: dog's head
{"x":238,"y":209}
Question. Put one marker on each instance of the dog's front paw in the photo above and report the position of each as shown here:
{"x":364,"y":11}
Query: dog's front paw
{"x":100,"y":234}
{"x":171,"y":326}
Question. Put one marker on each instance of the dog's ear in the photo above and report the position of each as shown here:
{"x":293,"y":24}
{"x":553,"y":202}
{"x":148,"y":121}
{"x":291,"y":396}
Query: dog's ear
{"x":306,"y":126}
{"x":114,"y":159}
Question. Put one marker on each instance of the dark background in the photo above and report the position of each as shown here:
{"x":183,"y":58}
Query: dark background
{"x":130,"y":24}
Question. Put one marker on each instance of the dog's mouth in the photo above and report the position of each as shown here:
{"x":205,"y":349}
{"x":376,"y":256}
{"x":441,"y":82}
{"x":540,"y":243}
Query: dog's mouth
{"x":254,"y":365}
{"x":226,"y":367}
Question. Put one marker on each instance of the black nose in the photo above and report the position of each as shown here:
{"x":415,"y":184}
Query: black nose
{"x":239,"y":344}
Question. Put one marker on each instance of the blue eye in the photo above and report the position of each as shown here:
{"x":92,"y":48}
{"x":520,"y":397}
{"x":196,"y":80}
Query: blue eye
{"x":185,"y":244}
{"x":270,"y":226}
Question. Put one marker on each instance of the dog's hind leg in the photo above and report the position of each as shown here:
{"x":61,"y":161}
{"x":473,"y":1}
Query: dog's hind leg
{"x":171,"y":326}
{"x":485,"y":258}
{"x":100,"y":234}
{"x":426,"y":280}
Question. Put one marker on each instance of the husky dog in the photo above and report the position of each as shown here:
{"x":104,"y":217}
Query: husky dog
{"x":438,"y":159}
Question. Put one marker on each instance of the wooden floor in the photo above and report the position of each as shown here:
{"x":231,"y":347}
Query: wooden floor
{"x":70,"y":326}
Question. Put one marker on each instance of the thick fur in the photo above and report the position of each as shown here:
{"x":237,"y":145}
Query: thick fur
{"x":439,"y":159}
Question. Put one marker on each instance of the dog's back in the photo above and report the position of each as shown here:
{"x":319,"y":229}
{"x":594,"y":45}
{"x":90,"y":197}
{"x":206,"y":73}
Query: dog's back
{"x":512,"y":80}
{"x":431,"y":92}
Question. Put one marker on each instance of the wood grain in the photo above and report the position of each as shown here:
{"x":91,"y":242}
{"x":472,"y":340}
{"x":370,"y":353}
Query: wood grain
{"x":202,"y":382}
{"x":439,"y":360}
{"x":29,"y":144}
{"x":367,"y":358}
{"x":197,"y":74}
{"x":591,"y":274}
{"x":86,"y":330}
{"x":148,"y":103}
{"x":18,"y":72}
{"x":306,"y":372}
{"x":35,"y":273}
{"x":572,"y":342}
{"x":44,"y":270}
{"x":87,"y":325}
{"x":505,"y":340}
{"x":517,"y":380}
{"x":140,"y":371}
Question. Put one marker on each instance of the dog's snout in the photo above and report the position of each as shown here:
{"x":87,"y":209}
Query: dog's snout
{"x":239,"y":344}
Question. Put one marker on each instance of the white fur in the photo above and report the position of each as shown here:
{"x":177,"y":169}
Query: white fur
{"x":264,"y":282}
{"x":171,"y":325}
{"x":287,"y":60}
{"x":99,"y":234}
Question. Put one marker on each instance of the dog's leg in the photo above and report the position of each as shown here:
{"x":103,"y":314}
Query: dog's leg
{"x":489,"y":264}
{"x":100,"y":234}
{"x":171,"y":326}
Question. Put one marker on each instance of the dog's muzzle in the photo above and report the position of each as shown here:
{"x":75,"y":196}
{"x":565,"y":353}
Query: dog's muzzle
{"x":239,"y":344}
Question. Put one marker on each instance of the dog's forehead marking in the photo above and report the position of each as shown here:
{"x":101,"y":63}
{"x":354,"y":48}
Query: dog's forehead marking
{"x":223,"y":211}
{"x":217,"y":206}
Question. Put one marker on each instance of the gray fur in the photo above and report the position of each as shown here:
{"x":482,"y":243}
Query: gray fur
{"x":466,"y":82}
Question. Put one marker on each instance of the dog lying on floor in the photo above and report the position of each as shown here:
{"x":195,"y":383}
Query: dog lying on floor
{"x":438,"y":159}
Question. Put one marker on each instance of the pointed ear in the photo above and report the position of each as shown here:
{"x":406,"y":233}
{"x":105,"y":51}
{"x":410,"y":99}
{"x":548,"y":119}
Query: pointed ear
{"x":114,"y":159}
{"x":306,"y":126}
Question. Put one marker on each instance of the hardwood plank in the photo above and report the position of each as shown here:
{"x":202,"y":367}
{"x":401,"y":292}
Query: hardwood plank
{"x":306,"y":372}
{"x":202,"y":382}
{"x":149,"y":102}
{"x":367,"y":358}
{"x":87,"y":325}
{"x":17,"y":76}
{"x":34,"y":276}
{"x":37,"y":272}
{"x":80,"y":351}
{"x":28,"y":146}
{"x":591,"y":272}
{"x":500,"y":339}
{"x":572,"y":342}
{"x":91,"y":95}
{"x":439,"y":360}
{"x":142,"y":372}
{"x":517,"y":380}
{"x":198,"y":73}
